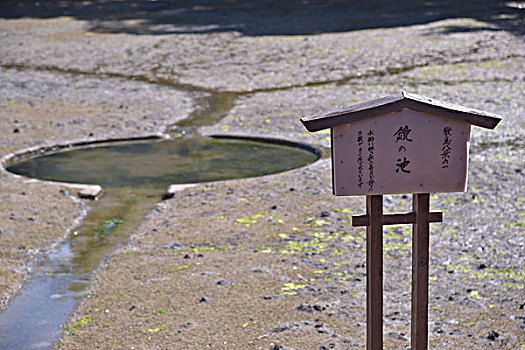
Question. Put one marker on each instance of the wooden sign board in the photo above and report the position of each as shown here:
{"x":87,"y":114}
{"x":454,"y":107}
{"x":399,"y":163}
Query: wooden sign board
{"x":403,"y":143}
{"x":400,"y":152}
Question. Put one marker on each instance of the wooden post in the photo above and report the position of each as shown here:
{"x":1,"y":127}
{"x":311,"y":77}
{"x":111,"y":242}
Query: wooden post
{"x":374,"y":273}
{"x":420,"y":244}
{"x":374,"y":220}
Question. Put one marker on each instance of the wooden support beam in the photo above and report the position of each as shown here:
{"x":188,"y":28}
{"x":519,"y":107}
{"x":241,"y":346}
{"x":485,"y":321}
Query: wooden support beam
{"x":374,"y":273}
{"x":420,"y":253}
{"x":374,"y":220}
{"x":394,"y":219}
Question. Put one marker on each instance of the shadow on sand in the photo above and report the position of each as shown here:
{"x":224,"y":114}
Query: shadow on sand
{"x":268,"y":17}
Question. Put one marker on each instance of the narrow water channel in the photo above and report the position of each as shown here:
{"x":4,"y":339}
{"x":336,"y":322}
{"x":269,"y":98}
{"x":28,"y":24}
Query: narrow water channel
{"x":33,"y":319}
{"x":134,"y":175}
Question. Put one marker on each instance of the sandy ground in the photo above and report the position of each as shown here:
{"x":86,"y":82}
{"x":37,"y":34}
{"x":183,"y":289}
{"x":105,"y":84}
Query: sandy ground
{"x":194,"y":276}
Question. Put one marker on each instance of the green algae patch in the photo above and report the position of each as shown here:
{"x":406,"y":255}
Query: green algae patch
{"x":506,"y":274}
{"x":475,"y":295}
{"x":459,"y":267}
{"x":107,"y":226}
{"x":198,"y":250}
{"x":72,"y":327}
{"x":292,"y":286}
{"x":160,"y":312}
{"x":154,"y":330}
{"x":246,"y":221}
{"x":179,"y":268}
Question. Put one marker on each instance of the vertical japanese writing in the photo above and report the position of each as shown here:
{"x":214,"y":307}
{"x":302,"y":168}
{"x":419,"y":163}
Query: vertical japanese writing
{"x":371,"y":150}
{"x":402,"y":135}
{"x":446,"y":149}
{"x":360,"y":159}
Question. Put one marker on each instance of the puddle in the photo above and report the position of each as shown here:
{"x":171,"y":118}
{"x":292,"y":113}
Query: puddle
{"x":158,"y":164}
{"x":134,"y":175}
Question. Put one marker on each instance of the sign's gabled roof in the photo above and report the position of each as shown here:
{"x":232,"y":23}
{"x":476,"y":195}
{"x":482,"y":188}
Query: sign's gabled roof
{"x":397,"y":102}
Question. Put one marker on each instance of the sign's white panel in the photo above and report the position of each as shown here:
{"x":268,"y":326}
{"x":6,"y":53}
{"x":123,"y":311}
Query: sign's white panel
{"x":400,"y":152}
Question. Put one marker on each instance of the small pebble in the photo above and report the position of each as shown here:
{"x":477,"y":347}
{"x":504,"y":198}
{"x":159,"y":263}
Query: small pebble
{"x":492,"y":335}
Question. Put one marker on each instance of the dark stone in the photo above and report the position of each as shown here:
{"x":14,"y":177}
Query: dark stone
{"x":492,"y":335}
{"x":16,"y":131}
{"x":482,"y":266}
{"x":398,"y":336}
{"x":205,"y":299}
{"x":187,"y":325}
{"x":325,"y":214}
{"x":310,"y":308}
{"x":86,"y":196}
{"x":167,"y":195}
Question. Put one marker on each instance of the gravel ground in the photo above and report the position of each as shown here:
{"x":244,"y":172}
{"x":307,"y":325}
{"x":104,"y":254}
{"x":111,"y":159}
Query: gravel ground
{"x":269,"y":262}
